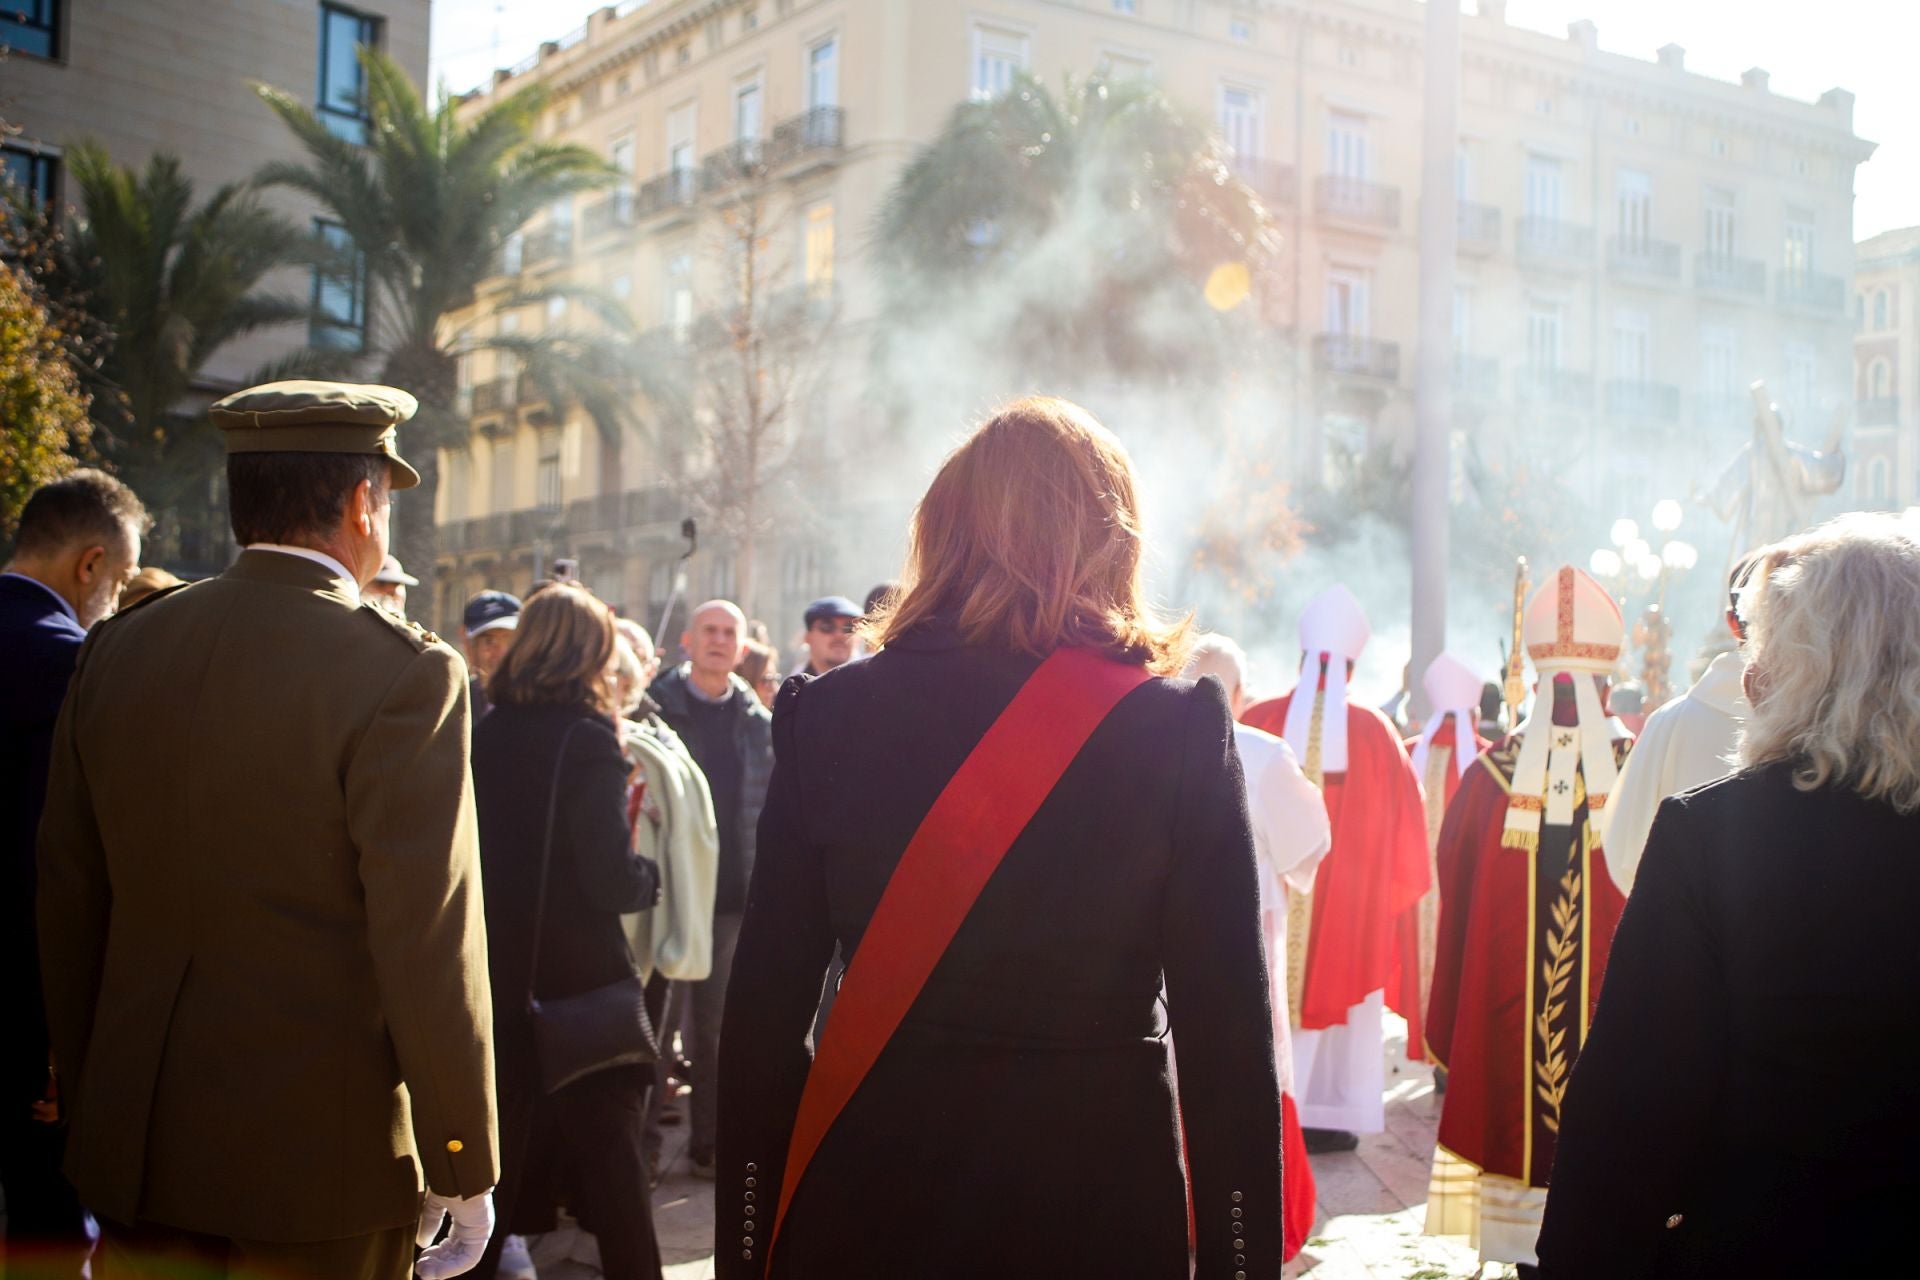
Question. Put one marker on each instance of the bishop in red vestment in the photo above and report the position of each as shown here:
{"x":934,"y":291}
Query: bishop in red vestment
{"x":1527,"y":911}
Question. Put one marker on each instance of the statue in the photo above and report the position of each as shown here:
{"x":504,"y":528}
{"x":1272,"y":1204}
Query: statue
{"x":1769,"y":489}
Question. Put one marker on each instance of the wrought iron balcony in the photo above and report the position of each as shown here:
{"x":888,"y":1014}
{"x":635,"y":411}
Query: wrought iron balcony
{"x":1476,"y":377}
{"x":492,"y":397}
{"x":549,"y":244}
{"x":1881,"y":411}
{"x":1271,"y":180}
{"x":1813,"y":291}
{"x":1545,"y":384}
{"x":674,"y":189}
{"x":1637,"y":258}
{"x":609,"y":214}
{"x":1354,"y":357}
{"x":1549,"y":242}
{"x":1357,"y":202}
{"x":741,"y":161}
{"x":1734,"y":277}
{"x":1651,"y":401}
{"x":816,"y":134}
{"x":1479,"y":228}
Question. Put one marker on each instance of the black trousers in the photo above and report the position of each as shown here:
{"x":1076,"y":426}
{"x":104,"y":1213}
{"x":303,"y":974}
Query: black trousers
{"x":148,"y":1252}
{"x":46,"y":1227}
{"x":582,"y":1146}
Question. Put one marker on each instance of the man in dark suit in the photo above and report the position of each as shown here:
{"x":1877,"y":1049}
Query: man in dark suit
{"x":78,"y":544}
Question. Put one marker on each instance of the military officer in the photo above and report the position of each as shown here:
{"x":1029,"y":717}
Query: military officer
{"x":260,"y":912}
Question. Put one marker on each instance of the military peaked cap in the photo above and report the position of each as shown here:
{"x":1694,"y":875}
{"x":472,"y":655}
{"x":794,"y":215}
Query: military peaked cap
{"x":318,"y":417}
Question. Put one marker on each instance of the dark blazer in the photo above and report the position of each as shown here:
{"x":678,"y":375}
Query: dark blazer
{"x":753,"y":745}
{"x":1742,"y":1106}
{"x":40,"y":641}
{"x":594,"y":875}
{"x":1022,"y":1119}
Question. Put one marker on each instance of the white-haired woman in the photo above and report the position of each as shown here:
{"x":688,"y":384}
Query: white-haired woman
{"x":1741,"y":1107}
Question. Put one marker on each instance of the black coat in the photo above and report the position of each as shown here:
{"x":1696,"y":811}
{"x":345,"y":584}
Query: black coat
{"x":1022,"y":1120}
{"x":1744,"y":1079}
{"x":40,"y":641}
{"x":752,"y":739}
{"x":594,"y":875}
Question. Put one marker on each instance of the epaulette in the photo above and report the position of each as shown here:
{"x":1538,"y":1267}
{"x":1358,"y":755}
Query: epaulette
{"x":143,"y":602}
{"x":415,"y":634}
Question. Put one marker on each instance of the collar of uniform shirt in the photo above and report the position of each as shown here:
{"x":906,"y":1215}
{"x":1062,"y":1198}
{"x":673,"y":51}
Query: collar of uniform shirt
{"x":318,"y":557}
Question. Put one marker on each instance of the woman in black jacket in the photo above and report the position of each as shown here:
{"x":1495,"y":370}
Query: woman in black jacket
{"x":1021,"y":1120}
{"x":581,"y":1146}
{"x":1741,"y":1107}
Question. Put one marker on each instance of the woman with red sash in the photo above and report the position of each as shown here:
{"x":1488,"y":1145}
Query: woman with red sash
{"x":1034,"y":850}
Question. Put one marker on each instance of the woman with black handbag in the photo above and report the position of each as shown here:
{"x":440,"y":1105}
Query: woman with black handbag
{"x":572,"y":1041}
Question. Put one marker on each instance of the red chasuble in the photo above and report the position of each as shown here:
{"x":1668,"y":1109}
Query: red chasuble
{"x":1374,"y":874}
{"x":1522,"y":948}
{"x":1420,"y":928}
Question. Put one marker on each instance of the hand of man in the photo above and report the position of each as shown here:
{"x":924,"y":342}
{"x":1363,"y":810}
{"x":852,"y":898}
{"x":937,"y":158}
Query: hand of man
{"x":460,"y":1252}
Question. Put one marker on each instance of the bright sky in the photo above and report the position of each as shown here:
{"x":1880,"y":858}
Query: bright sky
{"x":1867,"y":46}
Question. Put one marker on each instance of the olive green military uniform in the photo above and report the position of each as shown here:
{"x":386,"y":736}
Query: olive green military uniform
{"x":260,"y":912}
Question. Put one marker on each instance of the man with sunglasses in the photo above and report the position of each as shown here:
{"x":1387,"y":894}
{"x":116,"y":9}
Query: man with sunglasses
{"x":831,"y":622}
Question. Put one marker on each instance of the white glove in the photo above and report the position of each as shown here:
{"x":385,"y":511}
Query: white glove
{"x":460,"y":1252}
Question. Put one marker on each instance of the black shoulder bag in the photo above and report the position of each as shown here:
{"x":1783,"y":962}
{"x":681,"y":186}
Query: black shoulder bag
{"x":575,"y":1036}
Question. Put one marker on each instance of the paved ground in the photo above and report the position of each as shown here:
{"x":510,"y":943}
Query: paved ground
{"x":1372,"y":1205}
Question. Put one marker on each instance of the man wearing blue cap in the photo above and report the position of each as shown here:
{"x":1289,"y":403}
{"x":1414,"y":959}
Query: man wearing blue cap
{"x":831,"y":622}
{"x":486,"y":633}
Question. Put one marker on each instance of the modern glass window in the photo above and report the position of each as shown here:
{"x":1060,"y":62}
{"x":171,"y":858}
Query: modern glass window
{"x":31,"y":27}
{"x":998,"y":56}
{"x":1348,"y":302}
{"x":1242,"y":113}
{"x":343,"y":86}
{"x":823,"y":74}
{"x":339,"y":321}
{"x":1797,"y":253}
{"x":1348,"y":155}
{"x":33,"y":172}
{"x":1546,"y":188}
{"x":1543,"y":335}
{"x":1722,"y":223}
{"x":1633,"y":207}
{"x":1632,"y":346}
{"x":818,"y":257}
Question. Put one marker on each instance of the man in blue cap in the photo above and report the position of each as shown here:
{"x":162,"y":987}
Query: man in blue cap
{"x":831,"y":621}
{"x":486,"y":633}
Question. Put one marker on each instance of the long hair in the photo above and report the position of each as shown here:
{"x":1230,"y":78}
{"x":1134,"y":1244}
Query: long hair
{"x":562,"y":653}
{"x":1029,"y":539}
{"x":1835,"y":659}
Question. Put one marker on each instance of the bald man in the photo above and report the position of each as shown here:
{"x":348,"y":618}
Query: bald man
{"x":730,"y":734}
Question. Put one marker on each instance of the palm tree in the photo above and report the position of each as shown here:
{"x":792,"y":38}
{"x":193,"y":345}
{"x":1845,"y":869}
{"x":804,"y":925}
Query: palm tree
{"x":170,"y":282}
{"x":427,"y":203}
{"x":1079,"y":229}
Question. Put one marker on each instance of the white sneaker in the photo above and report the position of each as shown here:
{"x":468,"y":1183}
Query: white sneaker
{"x":515,"y":1262}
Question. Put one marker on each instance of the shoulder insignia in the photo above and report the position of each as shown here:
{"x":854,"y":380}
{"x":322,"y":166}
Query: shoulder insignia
{"x":147,"y":599}
{"x":415,"y":634}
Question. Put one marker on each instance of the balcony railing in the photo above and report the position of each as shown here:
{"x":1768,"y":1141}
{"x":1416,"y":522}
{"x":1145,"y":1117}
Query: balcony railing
{"x":613,"y":213}
{"x":1652,"y":401}
{"x":1551,"y":242}
{"x":1546,"y":385}
{"x":1881,"y":411}
{"x":1637,"y":258}
{"x":1343,"y":353}
{"x":1736,"y":277}
{"x":674,"y":189}
{"x":549,"y":244}
{"x":656,"y":504}
{"x":740,"y":161}
{"x":1357,"y":202}
{"x":1479,"y":228}
{"x":1476,"y":377}
{"x":1813,"y":291}
{"x":816,"y":133}
{"x":492,"y":397}
{"x":1271,"y":180}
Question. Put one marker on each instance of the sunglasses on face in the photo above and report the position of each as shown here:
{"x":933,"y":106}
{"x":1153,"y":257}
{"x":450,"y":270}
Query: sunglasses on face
{"x":847,"y":627}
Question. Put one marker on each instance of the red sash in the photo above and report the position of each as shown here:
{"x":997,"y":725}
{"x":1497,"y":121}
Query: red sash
{"x":980,"y":813}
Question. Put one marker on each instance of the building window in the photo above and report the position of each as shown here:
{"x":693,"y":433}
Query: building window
{"x":721,"y":579}
{"x":1632,"y":347}
{"x":1463,"y":173}
{"x":621,"y":154}
{"x":1546,"y":187}
{"x":1242,"y":117}
{"x":1880,"y":310}
{"x":818,"y":256}
{"x":623,"y":86}
{"x":823,"y":74}
{"x":1719,"y":368}
{"x":459,"y":481}
{"x":503,"y":473}
{"x":339,"y":321}
{"x":680,"y":135}
{"x":1797,"y":253}
{"x":1879,"y":482}
{"x":32,"y":172}
{"x":1347,"y":55}
{"x":1348,"y":155}
{"x":682,"y":54}
{"x":1799,"y":166}
{"x":998,"y":56}
{"x":1240,"y":29}
{"x":546,"y":476}
{"x":1126,"y":6}
{"x":679,"y":300}
{"x":30,"y":27}
{"x":1633,"y":202}
{"x":1348,"y":302}
{"x":621,"y":287}
{"x":1717,"y":148}
{"x":1721,"y":223}
{"x":746,"y":112}
{"x":343,"y":82}
{"x":1543,"y":106}
{"x":1631,"y":126}
{"x":1543,"y":335}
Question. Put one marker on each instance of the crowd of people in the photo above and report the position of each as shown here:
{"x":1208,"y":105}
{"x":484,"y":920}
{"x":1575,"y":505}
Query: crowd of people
{"x":337,"y":953}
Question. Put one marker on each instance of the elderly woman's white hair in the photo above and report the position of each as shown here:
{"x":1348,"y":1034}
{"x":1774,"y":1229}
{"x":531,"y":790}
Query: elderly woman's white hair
{"x":1216,"y":655}
{"x":1834,"y":659}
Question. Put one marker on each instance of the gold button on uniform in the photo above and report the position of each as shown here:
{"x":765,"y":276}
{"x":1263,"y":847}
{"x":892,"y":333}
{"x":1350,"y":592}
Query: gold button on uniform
{"x":456,"y":1146}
